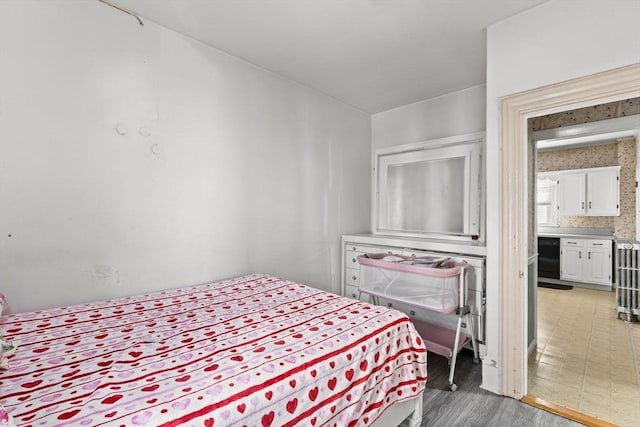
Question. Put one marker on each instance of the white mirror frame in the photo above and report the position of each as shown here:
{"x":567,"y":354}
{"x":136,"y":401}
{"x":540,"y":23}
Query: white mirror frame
{"x":470,"y":146}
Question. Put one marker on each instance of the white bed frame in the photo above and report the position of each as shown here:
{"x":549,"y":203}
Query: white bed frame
{"x":409,"y":411}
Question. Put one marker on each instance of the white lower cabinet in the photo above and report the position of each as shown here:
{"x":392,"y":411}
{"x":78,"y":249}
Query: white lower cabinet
{"x":571,"y":265}
{"x":598,"y":265}
{"x":586,"y":260}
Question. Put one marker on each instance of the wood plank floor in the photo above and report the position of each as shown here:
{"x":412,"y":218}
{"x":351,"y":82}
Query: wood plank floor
{"x":472,"y":406}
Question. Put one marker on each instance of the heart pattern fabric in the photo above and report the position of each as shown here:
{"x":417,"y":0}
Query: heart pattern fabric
{"x":255,"y":350}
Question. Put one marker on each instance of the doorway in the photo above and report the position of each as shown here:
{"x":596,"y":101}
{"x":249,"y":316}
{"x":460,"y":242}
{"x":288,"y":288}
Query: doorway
{"x":583,"y":356}
{"x":604,"y":87}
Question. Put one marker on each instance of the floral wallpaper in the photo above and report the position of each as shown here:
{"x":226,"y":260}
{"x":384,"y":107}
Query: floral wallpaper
{"x":594,"y":113}
{"x":617,"y":154}
{"x":625,"y":224}
{"x":578,"y":158}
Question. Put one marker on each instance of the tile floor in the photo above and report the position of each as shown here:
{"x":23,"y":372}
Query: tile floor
{"x":586,"y":359}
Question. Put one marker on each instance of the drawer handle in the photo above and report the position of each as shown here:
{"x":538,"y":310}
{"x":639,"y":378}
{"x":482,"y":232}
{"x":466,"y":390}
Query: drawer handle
{"x":597,"y":244}
{"x":354,"y":277}
{"x":353,"y":260}
{"x":353,"y":248}
{"x":413,"y":313}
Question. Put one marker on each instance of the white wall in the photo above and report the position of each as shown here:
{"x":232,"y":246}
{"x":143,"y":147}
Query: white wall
{"x":251,"y":168}
{"x":553,"y":42}
{"x":456,"y":113}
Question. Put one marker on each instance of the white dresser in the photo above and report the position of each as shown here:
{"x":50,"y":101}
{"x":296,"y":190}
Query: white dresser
{"x":469,"y":252}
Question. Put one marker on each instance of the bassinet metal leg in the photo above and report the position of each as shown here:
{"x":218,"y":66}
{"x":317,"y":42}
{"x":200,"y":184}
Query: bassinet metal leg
{"x":454,"y":355}
{"x":474,"y":342}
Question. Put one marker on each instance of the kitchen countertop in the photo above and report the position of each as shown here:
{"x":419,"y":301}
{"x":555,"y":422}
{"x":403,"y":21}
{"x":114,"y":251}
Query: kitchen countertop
{"x":581,"y":236}
{"x":582,"y":233}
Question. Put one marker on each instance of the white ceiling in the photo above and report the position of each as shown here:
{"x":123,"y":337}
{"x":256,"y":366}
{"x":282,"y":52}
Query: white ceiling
{"x":372,"y":54}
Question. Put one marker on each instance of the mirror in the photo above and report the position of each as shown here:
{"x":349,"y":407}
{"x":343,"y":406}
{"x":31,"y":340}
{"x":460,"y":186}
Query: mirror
{"x":430,"y":189}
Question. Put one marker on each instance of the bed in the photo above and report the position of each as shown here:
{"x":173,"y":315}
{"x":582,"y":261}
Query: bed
{"x":254,"y":350}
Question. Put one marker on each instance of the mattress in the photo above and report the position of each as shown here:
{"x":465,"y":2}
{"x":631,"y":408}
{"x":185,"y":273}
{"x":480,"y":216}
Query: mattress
{"x":255,"y":350}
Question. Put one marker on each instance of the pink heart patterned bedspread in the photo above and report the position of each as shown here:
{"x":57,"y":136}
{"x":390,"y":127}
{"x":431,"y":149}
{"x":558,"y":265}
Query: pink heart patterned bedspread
{"x":255,"y":351}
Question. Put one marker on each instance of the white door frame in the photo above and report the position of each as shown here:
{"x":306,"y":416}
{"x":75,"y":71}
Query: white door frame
{"x":608,"y":86}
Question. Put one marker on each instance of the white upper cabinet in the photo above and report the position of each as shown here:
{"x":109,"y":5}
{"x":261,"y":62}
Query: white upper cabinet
{"x":571,"y":194}
{"x":589,"y":192}
{"x":603,"y":192}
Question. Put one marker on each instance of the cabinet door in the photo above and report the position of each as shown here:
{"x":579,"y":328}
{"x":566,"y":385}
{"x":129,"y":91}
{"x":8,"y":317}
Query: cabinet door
{"x":603,"y":193}
{"x":571,"y":263}
{"x":598,"y":262}
{"x":571,"y":192}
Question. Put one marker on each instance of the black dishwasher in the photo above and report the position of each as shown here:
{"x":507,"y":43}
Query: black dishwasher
{"x":549,"y":257}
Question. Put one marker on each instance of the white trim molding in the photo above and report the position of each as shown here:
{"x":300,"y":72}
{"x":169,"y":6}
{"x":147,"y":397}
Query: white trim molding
{"x":608,"y":86}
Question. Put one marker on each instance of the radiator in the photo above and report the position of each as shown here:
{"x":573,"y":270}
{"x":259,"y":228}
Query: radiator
{"x":628,"y":279}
